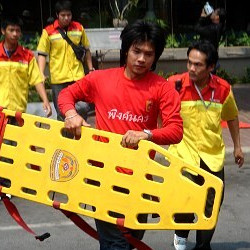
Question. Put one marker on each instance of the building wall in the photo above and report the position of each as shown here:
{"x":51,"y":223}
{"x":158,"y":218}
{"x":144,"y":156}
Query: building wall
{"x":234,"y":60}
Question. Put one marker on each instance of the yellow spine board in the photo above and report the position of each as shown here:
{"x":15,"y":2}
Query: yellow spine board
{"x":83,"y":174}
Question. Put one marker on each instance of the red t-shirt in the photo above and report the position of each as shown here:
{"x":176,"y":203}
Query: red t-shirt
{"x":122,"y":104}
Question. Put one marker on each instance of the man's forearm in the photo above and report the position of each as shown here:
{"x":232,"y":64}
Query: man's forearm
{"x":89,"y":59}
{"x":41,"y":60}
{"x":233,"y":126}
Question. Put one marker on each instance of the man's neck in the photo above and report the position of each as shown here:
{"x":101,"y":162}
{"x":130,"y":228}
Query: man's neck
{"x":202,"y":84}
{"x":10,"y":46}
{"x":131,"y":76}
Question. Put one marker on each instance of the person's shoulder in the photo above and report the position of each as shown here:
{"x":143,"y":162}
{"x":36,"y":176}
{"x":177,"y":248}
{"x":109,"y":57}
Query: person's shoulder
{"x":104,"y":73}
{"x":222,"y":82}
{"x":25,"y":50}
{"x":162,"y":84}
{"x":49,"y":28}
{"x":176,"y":77}
{"x":76,"y":25}
{"x":25,"y":53}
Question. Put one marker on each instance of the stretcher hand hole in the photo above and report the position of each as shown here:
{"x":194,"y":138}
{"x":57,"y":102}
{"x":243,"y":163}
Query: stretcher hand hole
{"x":150,"y":197}
{"x":95,"y":163}
{"x":92,"y":182}
{"x":100,"y":138}
{"x":159,"y":158}
{"x":122,"y":170}
{"x":185,"y":218}
{"x":209,"y":202}
{"x":191,"y":175}
{"x":13,"y":121}
{"x":142,"y":218}
{"x":6,"y":160}
{"x":121,"y":190}
{"x":115,"y":214}
{"x":42,"y":125}
{"x":154,"y":178}
{"x":29,"y":191}
{"x":33,"y":167}
{"x":9,"y":142}
{"x":87,"y":207}
{"x":37,"y":149}
{"x":5,"y":182}
{"x":57,"y":196}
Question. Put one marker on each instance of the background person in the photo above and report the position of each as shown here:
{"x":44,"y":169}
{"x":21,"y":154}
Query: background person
{"x":128,"y":101}
{"x":212,"y":27}
{"x":206,"y":99}
{"x":18,"y":71}
{"x":64,"y":67}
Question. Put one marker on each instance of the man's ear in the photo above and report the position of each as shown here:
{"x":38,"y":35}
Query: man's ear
{"x":211,"y":67}
{"x":3,"y":31}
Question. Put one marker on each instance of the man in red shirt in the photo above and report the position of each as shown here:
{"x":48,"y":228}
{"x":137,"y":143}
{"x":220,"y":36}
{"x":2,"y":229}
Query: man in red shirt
{"x":128,"y":100}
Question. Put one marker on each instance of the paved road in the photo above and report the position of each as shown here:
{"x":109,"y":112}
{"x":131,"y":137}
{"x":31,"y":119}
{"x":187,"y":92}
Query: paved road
{"x":232,"y":232}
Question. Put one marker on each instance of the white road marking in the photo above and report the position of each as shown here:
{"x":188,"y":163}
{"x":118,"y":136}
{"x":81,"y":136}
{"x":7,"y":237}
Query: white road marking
{"x":38,"y":225}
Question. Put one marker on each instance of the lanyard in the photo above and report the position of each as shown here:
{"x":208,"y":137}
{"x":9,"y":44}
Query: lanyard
{"x":200,"y":95}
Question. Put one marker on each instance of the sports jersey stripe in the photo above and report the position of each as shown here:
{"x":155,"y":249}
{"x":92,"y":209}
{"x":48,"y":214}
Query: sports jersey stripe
{"x":200,"y":103}
{"x":15,"y":64}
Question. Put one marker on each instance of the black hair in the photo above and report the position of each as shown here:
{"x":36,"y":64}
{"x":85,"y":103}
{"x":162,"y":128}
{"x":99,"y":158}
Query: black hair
{"x":222,"y":15}
{"x":62,"y":5}
{"x":142,"y":31}
{"x":11,"y":20}
{"x":207,"y":48}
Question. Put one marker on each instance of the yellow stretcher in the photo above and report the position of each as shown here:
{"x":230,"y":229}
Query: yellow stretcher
{"x":42,"y":165}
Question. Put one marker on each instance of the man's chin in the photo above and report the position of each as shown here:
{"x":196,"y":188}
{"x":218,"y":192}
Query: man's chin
{"x":193,"y":78}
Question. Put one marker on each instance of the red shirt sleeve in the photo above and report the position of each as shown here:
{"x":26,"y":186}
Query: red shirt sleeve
{"x":171,"y":131}
{"x":78,"y":91}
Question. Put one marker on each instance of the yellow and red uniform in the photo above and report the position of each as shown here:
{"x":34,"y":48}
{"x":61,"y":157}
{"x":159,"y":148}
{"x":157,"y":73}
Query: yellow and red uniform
{"x":202,"y":138}
{"x":16,"y":74}
{"x":63,"y":64}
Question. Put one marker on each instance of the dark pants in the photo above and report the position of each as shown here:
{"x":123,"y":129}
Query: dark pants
{"x":111,"y":237}
{"x":203,"y":237}
{"x":82,"y":108}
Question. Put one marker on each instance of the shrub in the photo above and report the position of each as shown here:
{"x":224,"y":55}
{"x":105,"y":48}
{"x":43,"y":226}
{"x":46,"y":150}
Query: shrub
{"x":246,"y":78}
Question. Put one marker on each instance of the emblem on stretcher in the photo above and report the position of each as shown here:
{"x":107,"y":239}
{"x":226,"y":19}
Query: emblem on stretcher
{"x":63,"y":166}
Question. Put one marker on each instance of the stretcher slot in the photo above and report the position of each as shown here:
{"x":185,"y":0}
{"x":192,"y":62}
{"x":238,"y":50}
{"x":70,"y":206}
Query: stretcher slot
{"x":57,"y":196}
{"x":121,"y":190}
{"x":87,"y":207}
{"x":92,"y":182}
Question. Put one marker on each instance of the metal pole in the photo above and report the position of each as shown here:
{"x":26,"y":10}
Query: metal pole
{"x":100,"y":16}
{"x":172,"y":23}
{"x":41,"y":12}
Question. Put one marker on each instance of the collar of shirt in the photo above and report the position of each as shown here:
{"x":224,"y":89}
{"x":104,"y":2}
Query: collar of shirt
{"x":190,"y":84}
{"x":56,"y":25}
{"x":17,"y":52}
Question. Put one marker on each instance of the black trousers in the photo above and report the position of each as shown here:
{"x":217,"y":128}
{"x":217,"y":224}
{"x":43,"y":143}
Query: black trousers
{"x":203,"y":237}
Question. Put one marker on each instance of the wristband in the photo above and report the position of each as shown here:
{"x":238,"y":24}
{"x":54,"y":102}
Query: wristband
{"x":69,"y":117}
{"x":149,"y":133}
{"x":92,"y":69}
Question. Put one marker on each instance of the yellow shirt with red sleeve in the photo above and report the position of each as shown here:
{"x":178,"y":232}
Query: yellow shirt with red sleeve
{"x":63,"y":64}
{"x":202,"y":138}
{"x":16,"y":74}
